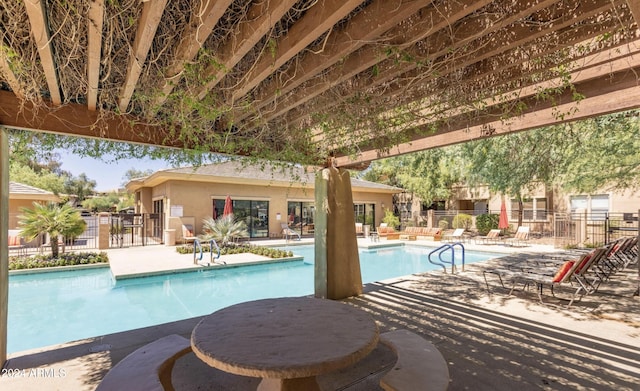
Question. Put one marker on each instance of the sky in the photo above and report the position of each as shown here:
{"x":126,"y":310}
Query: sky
{"x":108,"y":175}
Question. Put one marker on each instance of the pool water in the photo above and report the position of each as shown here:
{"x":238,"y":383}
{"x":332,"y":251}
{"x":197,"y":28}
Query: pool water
{"x":57,"y":307}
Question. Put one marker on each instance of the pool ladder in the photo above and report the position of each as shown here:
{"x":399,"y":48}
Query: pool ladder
{"x":198,"y":246}
{"x":447,"y":249}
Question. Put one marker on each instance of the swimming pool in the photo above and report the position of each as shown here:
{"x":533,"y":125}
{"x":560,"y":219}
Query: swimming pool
{"x":52,"y":308}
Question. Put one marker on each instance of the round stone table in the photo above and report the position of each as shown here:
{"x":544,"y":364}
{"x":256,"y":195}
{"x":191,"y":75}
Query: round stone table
{"x":285,"y":341}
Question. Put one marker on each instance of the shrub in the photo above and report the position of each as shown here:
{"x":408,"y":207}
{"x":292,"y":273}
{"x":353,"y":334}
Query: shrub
{"x":443,"y":224}
{"x":462,"y":220}
{"x":391,"y":219}
{"x":487,"y":222}
{"x":65,"y":259}
{"x":231,"y":248}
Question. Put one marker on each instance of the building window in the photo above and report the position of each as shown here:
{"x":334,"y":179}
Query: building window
{"x":301,"y":217}
{"x":365,"y":213}
{"x":533,"y":209}
{"x":254,"y":213}
{"x":595,"y":204}
{"x":578,"y":202}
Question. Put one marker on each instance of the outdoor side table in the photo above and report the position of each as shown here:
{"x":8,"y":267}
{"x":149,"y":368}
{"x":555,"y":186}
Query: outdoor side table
{"x":285,"y":341}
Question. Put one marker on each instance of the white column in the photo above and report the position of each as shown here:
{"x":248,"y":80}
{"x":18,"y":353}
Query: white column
{"x":337,"y":264}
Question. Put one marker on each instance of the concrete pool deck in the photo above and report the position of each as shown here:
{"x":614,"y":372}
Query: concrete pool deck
{"x":490,"y":340}
{"x":157,"y":259}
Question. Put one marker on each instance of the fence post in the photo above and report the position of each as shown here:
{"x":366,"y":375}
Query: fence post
{"x":104,"y":230}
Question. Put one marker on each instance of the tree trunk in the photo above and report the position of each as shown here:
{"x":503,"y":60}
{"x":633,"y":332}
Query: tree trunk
{"x":54,"y":246}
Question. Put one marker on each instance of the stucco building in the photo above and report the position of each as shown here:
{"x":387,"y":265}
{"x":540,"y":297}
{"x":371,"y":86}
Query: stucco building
{"x":265,"y":196}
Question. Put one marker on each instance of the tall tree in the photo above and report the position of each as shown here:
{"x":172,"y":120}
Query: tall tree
{"x":513,"y":164}
{"x":134,"y":173}
{"x":26,"y":174}
{"x":603,"y":155}
{"x":81,"y":186}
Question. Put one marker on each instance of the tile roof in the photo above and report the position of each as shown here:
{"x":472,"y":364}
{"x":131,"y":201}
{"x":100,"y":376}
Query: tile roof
{"x":21,"y":188}
{"x":267,"y":172}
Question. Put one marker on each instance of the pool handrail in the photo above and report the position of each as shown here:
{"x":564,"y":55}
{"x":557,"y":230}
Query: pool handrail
{"x":440,"y":250}
{"x":197,"y":245}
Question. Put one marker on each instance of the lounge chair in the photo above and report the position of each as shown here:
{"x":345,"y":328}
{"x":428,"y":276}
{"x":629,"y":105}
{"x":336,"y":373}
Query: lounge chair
{"x":456,"y":236}
{"x":289,"y":232}
{"x":520,"y":238}
{"x":388,"y":232}
{"x":570,"y":272}
{"x":16,"y":243}
{"x":491,"y":238}
{"x":188,"y":235}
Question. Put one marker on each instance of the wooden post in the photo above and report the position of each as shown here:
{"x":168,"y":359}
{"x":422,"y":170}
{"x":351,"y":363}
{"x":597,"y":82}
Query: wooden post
{"x":337,"y":263}
{"x":4,"y":243}
{"x":637,"y":292}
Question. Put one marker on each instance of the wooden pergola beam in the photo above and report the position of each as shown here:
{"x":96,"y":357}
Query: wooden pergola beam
{"x":78,"y":120}
{"x":437,"y":45}
{"x":260,"y":19}
{"x":479,"y":66}
{"x":379,"y":17}
{"x":370,"y":55}
{"x":37,"y":19}
{"x":594,"y":67}
{"x":191,"y":42}
{"x":152,"y":11}
{"x":445,"y":65}
{"x":315,"y":22}
{"x":634,"y":6}
{"x":621,"y":92}
{"x":94,"y":50}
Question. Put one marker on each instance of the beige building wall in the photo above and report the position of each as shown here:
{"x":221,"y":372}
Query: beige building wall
{"x":190,"y":201}
{"x":14,"y":210}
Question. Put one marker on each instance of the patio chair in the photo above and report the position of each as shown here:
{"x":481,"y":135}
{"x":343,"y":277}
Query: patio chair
{"x":520,"y":238}
{"x":491,"y":238}
{"x":16,"y":243}
{"x":187,"y":233}
{"x":289,"y":232}
{"x":456,"y":236}
{"x":570,"y":272}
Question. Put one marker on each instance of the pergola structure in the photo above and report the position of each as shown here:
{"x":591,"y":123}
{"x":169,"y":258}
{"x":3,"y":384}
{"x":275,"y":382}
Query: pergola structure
{"x":334,"y":83}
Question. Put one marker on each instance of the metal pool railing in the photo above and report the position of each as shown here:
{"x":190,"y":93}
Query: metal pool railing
{"x":444,"y":249}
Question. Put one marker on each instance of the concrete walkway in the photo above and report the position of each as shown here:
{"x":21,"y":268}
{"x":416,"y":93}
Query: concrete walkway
{"x":490,"y":340}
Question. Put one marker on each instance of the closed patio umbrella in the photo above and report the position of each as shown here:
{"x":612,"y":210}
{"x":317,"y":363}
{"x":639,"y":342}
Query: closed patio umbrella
{"x":228,"y":207}
{"x":503,"y":223}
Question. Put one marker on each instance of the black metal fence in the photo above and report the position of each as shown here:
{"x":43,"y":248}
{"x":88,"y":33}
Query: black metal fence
{"x":126,"y":230}
{"x":559,"y":229}
{"x":135,"y":229}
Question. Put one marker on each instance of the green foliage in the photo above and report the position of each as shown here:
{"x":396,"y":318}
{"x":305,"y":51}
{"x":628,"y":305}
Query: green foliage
{"x":487,"y":222}
{"x":80,"y":186}
{"x":391,"y":219}
{"x":42,"y":179}
{"x":428,"y":174}
{"x":224,"y":229}
{"x":443,"y":224}
{"x":585,"y":156}
{"x":55,"y":220}
{"x":604,"y":154}
{"x":107,"y":203}
{"x":462,"y":220}
{"x":232,"y":248}
{"x":67,"y":259}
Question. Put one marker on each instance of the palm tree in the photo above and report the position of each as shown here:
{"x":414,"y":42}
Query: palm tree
{"x":55,"y":220}
{"x":224,"y":229}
